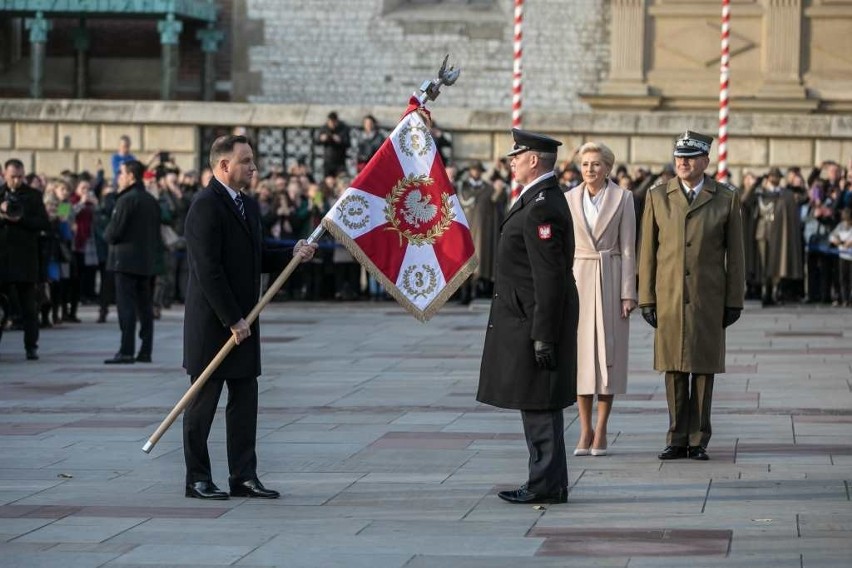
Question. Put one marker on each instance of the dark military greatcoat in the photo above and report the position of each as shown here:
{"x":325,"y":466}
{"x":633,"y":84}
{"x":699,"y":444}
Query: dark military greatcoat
{"x":480,"y":208}
{"x":535,"y":299}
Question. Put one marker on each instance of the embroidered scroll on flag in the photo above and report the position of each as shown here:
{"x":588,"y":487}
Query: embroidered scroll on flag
{"x":401,"y":219}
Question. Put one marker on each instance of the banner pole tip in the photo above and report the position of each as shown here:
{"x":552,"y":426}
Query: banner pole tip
{"x":147,"y":447}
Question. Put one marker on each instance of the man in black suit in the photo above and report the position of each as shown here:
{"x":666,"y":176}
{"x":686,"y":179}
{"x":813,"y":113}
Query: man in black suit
{"x":530,"y":354}
{"x":226,"y":257}
{"x":22,"y":218}
{"x":133,"y":234}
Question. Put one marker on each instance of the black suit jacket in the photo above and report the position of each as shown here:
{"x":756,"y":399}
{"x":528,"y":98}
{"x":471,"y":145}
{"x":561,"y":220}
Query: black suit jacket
{"x":19,"y":250}
{"x":133,"y":232}
{"x":535,"y":298}
{"x":226,"y":256}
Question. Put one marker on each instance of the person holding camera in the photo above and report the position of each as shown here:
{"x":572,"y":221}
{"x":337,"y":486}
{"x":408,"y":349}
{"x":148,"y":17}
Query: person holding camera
{"x":22,"y":218}
{"x":334,"y":138}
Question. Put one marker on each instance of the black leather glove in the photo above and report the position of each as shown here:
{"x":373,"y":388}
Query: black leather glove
{"x":545,"y":355}
{"x":731,"y":315}
{"x":650,"y":315}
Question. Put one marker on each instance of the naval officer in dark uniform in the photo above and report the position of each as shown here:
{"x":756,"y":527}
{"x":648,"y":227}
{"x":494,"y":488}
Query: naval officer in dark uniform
{"x":529,"y":359}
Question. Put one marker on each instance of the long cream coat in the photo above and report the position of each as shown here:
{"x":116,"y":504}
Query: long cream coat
{"x":605,"y":271}
{"x":691,"y":268}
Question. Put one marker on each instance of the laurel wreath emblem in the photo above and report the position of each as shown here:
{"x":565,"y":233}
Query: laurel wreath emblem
{"x":392,"y":201}
{"x":419,"y":274}
{"x":410,"y":132}
{"x":352,"y":212}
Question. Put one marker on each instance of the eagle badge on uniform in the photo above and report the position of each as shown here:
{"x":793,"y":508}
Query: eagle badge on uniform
{"x":544,"y":232}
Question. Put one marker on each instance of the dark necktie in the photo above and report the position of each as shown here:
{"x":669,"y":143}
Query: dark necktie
{"x":240,"y":205}
{"x":690,"y":195}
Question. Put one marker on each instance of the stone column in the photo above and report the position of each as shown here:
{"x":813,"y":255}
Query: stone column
{"x":38,"y":27}
{"x":627,"y":49}
{"x":210,"y":39}
{"x":82,"y":41}
{"x":781,"y":54}
{"x":169,"y":34}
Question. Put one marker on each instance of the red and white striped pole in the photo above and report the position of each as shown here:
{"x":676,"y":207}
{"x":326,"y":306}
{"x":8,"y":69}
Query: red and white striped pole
{"x":722,"y":173}
{"x":517,"y":78}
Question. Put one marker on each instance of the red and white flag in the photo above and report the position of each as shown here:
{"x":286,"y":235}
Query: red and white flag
{"x":401,"y":219}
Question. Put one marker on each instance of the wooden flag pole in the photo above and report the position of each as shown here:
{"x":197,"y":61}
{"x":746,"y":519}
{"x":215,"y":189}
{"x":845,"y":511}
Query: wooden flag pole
{"x":229,"y":345}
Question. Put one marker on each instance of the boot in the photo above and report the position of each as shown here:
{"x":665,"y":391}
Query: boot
{"x":102,"y":314}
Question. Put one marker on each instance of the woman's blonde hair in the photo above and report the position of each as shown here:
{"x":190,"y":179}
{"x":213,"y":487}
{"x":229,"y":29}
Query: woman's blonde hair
{"x":600,"y":148}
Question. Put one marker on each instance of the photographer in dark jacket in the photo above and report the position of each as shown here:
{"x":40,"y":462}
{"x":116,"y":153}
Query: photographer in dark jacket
{"x":133,"y":235}
{"x":334,"y":137}
{"x":22,"y":218}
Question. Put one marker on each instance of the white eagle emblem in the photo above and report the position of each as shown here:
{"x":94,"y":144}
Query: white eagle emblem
{"x":418,"y":208}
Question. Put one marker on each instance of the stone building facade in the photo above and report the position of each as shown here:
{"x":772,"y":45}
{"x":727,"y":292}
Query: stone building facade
{"x":631,"y":73}
{"x":376,"y":52}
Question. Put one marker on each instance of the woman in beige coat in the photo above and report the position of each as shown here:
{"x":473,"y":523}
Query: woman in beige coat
{"x":605,"y":271}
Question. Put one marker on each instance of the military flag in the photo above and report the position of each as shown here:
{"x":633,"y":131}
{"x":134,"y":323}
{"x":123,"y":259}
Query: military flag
{"x":401,"y":219}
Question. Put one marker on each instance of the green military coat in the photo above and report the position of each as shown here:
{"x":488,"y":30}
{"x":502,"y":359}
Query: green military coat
{"x":691,"y":267}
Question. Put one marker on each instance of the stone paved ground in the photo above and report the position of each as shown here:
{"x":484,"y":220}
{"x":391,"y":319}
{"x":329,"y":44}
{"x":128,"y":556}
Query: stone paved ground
{"x":369,"y":428}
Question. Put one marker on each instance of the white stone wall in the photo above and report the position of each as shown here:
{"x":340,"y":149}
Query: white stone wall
{"x":347,"y":52}
{"x":52,"y":135}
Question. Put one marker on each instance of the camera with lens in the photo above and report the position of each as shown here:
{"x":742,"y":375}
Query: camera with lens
{"x":14,"y":207}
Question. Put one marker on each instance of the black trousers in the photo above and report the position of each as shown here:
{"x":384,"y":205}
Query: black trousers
{"x":27,"y":296}
{"x":106,"y":295}
{"x":240,"y":425}
{"x":689,"y":400}
{"x":821,"y":276}
{"x":86,"y":279}
{"x":133,"y":299}
{"x":845,"y":278}
{"x":544,"y":431}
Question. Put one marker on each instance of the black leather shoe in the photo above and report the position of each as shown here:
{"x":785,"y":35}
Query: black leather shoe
{"x":698,"y":453}
{"x":673,"y":453}
{"x":205,"y":490}
{"x":120,"y":359}
{"x":525,"y":496}
{"x":253,"y":488}
{"x":32,"y":355}
{"x":143,"y":358}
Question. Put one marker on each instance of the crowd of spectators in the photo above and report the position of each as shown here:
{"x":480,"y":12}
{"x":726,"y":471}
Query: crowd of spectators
{"x":805,"y":215}
{"x":294,"y":200}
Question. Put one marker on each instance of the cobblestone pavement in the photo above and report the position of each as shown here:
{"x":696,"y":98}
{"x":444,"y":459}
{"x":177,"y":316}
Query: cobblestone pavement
{"x":369,"y":428}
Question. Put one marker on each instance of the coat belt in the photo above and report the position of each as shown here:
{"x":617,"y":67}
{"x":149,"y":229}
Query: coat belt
{"x":605,"y":312}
